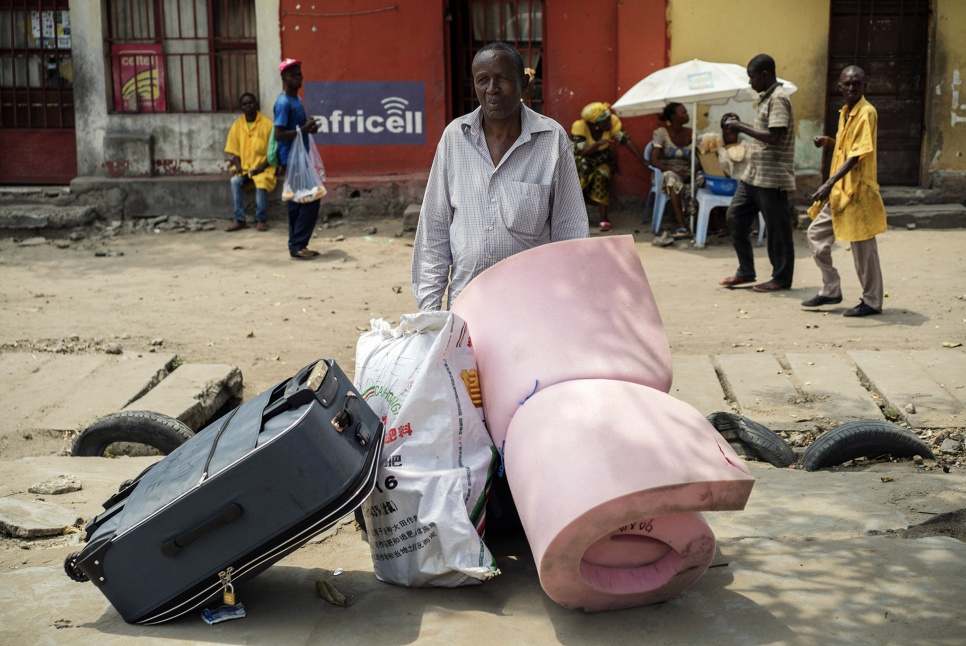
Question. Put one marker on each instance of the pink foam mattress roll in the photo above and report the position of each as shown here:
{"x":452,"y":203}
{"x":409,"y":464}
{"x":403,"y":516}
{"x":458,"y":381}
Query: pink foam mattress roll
{"x":579,"y":309}
{"x":608,"y":477}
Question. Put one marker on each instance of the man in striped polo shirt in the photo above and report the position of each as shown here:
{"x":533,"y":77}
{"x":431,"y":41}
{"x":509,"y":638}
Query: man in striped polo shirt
{"x":766,"y":182}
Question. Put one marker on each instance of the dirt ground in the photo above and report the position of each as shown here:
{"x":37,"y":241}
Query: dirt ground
{"x":237,"y":298}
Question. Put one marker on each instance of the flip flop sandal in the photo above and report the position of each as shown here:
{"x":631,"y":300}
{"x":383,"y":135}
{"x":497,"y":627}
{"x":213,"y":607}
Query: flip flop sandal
{"x":304,"y":254}
{"x":605,"y":226}
{"x":731,"y":281}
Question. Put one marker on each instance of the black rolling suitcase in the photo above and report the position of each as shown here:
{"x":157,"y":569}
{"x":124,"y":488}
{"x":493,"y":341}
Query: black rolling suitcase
{"x":244,"y":492}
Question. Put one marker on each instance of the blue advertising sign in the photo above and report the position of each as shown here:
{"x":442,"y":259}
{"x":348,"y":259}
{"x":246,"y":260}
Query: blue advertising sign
{"x":367,"y":113}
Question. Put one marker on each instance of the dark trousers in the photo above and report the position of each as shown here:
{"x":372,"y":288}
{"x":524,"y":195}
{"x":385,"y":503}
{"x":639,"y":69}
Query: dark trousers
{"x":773,"y":205}
{"x":301,"y":223}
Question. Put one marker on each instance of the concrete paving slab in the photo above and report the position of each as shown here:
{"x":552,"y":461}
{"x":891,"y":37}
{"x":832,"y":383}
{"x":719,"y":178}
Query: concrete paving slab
{"x":108,"y":389}
{"x":16,"y":367}
{"x":901,"y":381}
{"x":832,"y":388}
{"x":32,"y":518}
{"x":193,"y":393}
{"x":696,"y":382}
{"x":947,"y":367}
{"x":794,"y":505}
{"x":763,"y":391}
{"x":26,"y":402}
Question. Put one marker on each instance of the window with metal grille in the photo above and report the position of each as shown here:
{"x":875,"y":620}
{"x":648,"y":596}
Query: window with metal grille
{"x":181,"y":55}
{"x":36,"y":69}
{"x":478,"y":22}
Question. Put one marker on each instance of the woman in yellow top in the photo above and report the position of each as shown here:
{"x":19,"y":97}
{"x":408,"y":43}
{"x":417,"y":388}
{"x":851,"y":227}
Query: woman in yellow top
{"x":592,"y":136}
{"x":248,"y":146}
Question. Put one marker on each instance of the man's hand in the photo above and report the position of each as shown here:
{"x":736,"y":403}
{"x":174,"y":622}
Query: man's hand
{"x":823,"y":192}
{"x":733,"y":123}
{"x":821,"y":141}
{"x":310,"y":126}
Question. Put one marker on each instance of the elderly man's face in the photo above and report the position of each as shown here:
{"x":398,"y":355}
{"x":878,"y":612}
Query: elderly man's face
{"x":498,"y":85}
{"x":852,"y":86}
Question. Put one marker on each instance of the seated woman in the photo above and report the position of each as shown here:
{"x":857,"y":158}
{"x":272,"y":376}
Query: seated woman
{"x":592,"y":136}
{"x":671,"y":153}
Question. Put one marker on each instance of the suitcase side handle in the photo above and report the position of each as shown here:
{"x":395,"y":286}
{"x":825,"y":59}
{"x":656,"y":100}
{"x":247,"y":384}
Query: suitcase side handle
{"x":175,"y":545}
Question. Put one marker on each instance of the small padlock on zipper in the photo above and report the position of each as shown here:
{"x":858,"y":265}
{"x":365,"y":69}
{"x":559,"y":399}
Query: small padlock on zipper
{"x":227,"y":588}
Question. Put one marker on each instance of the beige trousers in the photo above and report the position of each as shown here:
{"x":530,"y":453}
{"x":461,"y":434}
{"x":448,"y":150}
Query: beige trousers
{"x":865,"y":254}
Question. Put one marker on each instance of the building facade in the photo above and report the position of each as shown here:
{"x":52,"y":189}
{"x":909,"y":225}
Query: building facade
{"x":102,"y":90}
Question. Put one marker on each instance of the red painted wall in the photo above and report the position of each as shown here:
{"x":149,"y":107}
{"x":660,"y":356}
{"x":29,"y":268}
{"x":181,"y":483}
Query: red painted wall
{"x":594,"y":52}
{"x":38,"y":156}
{"x":403,"y":44}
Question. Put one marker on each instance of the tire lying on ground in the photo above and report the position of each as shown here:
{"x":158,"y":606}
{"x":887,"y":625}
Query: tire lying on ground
{"x":752,"y":440}
{"x":864,"y":438}
{"x":140,"y":426}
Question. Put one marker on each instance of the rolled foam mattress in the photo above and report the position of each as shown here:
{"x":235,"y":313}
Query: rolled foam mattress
{"x":578,"y":309}
{"x":608,"y":479}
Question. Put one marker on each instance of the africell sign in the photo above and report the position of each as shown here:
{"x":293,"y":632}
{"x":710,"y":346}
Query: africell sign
{"x":367,"y":113}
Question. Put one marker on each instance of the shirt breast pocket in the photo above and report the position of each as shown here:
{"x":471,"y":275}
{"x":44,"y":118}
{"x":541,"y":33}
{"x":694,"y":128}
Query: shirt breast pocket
{"x":526,"y":207}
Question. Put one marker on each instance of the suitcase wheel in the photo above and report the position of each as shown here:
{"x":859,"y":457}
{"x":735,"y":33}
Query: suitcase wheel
{"x":70,"y":566}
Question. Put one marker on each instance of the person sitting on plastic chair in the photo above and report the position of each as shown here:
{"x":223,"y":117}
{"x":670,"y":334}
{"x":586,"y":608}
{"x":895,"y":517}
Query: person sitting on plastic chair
{"x":672,"y":155}
{"x":733,"y":158}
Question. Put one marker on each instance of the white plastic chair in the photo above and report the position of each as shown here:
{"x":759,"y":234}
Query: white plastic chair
{"x":707,"y":201}
{"x":657,"y":197}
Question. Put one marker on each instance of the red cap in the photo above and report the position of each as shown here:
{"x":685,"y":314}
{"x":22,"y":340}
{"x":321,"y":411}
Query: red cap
{"x":287,"y":63}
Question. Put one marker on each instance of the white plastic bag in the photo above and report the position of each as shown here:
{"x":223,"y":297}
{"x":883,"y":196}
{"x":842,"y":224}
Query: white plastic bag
{"x":437,"y":460}
{"x":304,"y":172}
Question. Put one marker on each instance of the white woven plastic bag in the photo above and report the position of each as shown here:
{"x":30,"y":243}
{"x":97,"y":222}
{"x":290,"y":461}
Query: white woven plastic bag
{"x":437,"y":462}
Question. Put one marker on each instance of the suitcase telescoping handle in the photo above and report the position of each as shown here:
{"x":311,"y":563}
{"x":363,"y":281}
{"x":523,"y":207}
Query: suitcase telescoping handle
{"x":309,"y":383}
{"x":227,"y":515}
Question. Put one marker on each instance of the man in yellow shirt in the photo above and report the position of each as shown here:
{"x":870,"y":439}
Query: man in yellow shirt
{"x":848,"y":206}
{"x":248,"y":146}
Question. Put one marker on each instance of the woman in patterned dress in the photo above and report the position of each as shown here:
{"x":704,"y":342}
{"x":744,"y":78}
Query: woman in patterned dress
{"x":592,"y":135}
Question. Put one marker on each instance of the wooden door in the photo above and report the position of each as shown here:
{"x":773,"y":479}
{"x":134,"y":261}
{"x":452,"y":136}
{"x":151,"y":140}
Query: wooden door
{"x":889,"y":40}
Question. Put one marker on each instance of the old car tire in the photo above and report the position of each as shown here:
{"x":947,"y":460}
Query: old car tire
{"x":143,"y":427}
{"x":863,"y":438}
{"x":754,"y":438}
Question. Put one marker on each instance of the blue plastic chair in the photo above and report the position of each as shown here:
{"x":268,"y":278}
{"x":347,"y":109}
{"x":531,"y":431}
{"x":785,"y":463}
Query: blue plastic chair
{"x":656,"y":198}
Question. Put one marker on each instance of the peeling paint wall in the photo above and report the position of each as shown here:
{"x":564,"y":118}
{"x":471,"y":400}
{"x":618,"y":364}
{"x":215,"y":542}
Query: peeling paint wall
{"x":183,"y":144}
{"x":945,"y":144}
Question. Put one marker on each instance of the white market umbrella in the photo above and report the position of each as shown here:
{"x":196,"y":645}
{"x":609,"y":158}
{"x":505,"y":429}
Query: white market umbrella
{"x":693,"y":82}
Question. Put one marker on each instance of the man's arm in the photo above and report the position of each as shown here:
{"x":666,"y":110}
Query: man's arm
{"x":826,"y":189}
{"x":432,"y":256}
{"x":779,"y":117}
{"x":568,"y":214}
{"x":281,"y":114}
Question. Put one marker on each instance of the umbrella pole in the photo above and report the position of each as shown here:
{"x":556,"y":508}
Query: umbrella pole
{"x":694,"y":137}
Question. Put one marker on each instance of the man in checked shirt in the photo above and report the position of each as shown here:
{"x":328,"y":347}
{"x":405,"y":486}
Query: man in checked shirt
{"x":503,"y":181}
